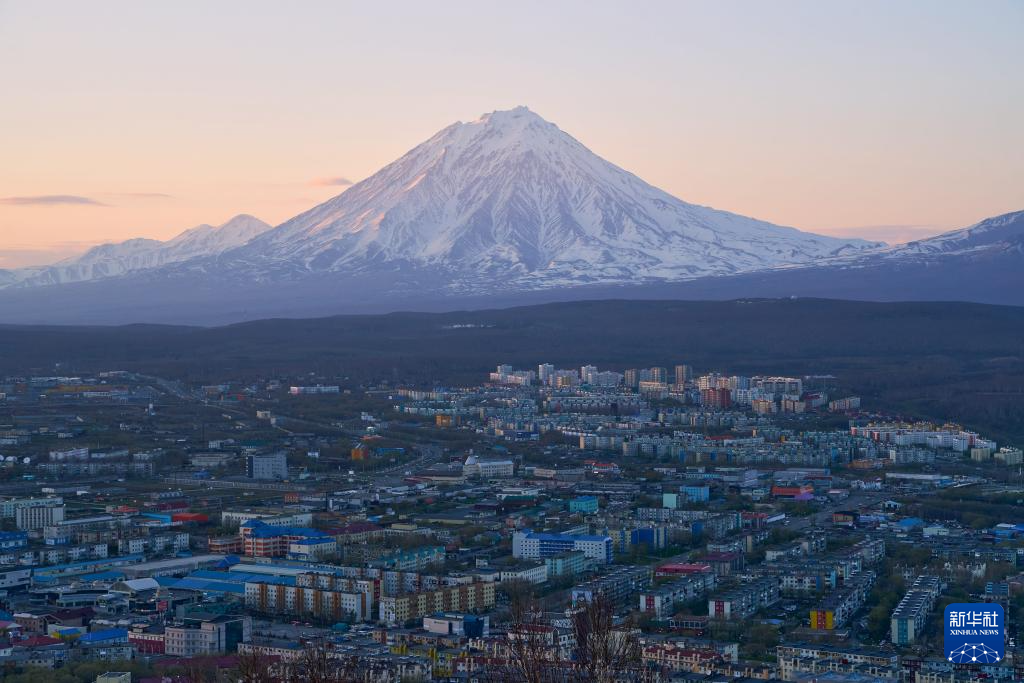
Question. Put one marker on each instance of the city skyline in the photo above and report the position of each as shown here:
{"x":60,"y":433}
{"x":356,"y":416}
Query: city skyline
{"x":269,"y":117}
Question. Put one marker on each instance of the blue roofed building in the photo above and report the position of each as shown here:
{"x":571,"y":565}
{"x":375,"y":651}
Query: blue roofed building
{"x":910,"y":523}
{"x":59,"y":572}
{"x":12,"y":540}
{"x":109,"y":636}
{"x":534,"y":545}
{"x":264,"y":540}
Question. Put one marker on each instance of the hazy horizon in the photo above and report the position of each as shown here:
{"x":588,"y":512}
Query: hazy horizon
{"x":127,"y":120}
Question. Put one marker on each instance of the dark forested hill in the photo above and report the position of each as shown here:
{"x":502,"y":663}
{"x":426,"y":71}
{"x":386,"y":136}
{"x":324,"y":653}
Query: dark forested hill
{"x":943,"y":360}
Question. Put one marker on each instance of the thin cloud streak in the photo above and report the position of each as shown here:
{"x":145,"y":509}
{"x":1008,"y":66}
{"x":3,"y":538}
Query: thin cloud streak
{"x":27,"y":257}
{"x":331,"y":182}
{"x":146,"y":195}
{"x":892,"y":234}
{"x":30,"y":255}
{"x":51,"y":200}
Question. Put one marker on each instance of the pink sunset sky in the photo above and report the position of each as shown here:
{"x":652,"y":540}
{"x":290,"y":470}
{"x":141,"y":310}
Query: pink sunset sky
{"x":883,"y":120}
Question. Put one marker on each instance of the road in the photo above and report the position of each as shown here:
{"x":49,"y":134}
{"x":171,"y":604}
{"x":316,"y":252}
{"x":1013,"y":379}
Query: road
{"x":823,"y":516}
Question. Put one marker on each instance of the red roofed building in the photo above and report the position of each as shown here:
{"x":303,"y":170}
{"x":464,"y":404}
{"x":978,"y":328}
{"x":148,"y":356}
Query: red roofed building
{"x":601,"y":467}
{"x":38,"y":641}
{"x":189,"y":517}
{"x":754,"y":520}
{"x":724,"y":564}
{"x":801,"y":492}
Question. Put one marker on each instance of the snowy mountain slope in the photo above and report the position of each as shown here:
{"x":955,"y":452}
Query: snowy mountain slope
{"x":996,"y":238}
{"x":982,"y":263}
{"x":206,"y":240}
{"x":212,"y":290}
{"x":511,"y":196}
{"x":990,"y":236}
{"x":112,"y":260}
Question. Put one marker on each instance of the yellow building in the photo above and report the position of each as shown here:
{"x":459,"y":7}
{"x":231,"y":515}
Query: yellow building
{"x":823,"y":619}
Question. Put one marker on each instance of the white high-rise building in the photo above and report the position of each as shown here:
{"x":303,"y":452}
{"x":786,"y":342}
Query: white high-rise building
{"x":38,"y":516}
{"x":587,"y":373}
{"x":267,"y":466}
{"x":709,"y":381}
{"x":545,"y":371}
{"x":607,"y":378}
{"x":9,"y":507}
{"x":532,"y":545}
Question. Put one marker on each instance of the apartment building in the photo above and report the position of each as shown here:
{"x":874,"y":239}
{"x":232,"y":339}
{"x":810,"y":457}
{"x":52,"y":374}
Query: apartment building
{"x":619,"y":585}
{"x":567,"y":564}
{"x":837,"y":609}
{"x":397,"y":609}
{"x":38,"y":516}
{"x":10,"y":506}
{"x":808,"y":576}
{"x":158,"y":543}
{"x":796,"y":658}
{"x":524,"y":571}
{"x":662,"y":601}
{"x":744,"y":601}
{"x":677,"y":658}
{"x":413,"y":560}
{"x":911,"y":614}
{"x":344,"y":598}
{"x":275,"y":517}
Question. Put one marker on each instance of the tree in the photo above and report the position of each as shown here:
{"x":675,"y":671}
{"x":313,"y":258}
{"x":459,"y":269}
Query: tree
{"x":885,"y":595}
{"x":255,"y":667}
{"x":531,"y":645}
{"x":605,"y":650}
{"x":318,"y":665}
{"x":761,"y":639}
{"x":602,"y":651}
{"x":520,"y":594}
{"x":195,"y":670}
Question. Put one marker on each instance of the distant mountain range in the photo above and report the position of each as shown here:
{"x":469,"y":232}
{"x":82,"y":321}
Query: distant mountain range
{"x":503,"y":210}
{"x":115,"y":260}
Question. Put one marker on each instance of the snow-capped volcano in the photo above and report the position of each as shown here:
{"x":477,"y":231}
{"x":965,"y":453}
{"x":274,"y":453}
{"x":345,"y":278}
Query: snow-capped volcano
{"x":112,"y":260}
{"x":501,"y":211}
{"x":511,"y":200}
